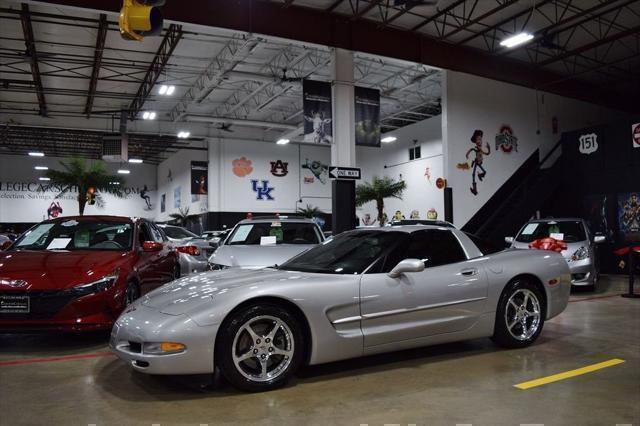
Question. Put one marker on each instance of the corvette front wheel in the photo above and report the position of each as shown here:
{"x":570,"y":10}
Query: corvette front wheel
{"x":260,"y":347}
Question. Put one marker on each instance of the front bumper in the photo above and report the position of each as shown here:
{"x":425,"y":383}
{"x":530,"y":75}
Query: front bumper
{"x":583,"y":272}
{"x":192,"y":265}
{"x":146,"y":325}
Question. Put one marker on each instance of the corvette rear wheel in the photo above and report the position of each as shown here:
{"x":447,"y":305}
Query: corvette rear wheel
{"x":520,"y":315}
{"x":260,"y":347}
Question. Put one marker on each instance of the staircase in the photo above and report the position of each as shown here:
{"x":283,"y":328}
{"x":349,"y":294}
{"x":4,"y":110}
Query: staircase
{"x":530,"y":188}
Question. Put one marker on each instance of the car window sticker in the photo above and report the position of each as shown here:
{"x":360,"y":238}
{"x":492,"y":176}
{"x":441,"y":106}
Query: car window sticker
{"x":58,"y":243}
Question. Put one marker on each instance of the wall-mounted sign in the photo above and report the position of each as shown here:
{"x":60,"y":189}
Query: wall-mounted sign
{"x":441,"y":183}
{"x":263,"y":192}
{"x":279,"y":168}
{"x":347,"y":173}
{"x":241,"y":167}
{"x":367,"y":120}
{"x":506,"y":141}
{"x":199,"y":171}
{"x":588,"y":144}
{"x":635,"y":133}
{"x":319,"y":170}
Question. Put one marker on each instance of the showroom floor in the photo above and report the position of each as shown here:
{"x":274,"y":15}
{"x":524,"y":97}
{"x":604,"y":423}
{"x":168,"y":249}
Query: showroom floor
{"x":463,"y":383}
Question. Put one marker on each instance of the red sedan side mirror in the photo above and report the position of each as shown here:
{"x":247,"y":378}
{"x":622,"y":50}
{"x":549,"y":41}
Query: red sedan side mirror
{"x":149,"y":246}
{"x":4,"y":246}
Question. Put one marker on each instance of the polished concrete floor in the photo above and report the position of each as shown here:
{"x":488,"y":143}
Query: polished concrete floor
{"x":463,"y":383}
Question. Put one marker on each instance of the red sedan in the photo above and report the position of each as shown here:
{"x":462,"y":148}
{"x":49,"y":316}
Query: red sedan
{"x":79,"y":273}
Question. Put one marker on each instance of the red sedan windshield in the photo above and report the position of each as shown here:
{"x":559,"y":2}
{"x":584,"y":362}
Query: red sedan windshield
{"x":77,"y":235}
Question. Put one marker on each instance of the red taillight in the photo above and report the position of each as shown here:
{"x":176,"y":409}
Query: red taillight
{"x":190,"y":250}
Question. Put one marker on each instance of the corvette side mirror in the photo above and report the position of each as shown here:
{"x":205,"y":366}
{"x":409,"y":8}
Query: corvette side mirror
{"x":508,"y":240}
{"x":406,"y":266}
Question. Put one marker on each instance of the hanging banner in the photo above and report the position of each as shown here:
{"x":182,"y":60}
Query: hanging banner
{"x":629,"y":216}
{"x":199,"y":172}
{"x":635,"y":135}
{"x":316,"y":105}
{"x":367,"y":116}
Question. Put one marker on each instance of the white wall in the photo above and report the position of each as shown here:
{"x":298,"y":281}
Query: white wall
{"x":471,"y":102}
{"x":23,"y":198}
{"x":421,"y":193}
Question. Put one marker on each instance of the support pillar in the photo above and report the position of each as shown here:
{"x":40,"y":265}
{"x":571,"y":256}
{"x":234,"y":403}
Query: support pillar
{"x":343,"y":146}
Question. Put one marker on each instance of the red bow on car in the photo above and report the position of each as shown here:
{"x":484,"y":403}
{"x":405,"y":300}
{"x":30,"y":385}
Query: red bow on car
{"x":548,"y":244}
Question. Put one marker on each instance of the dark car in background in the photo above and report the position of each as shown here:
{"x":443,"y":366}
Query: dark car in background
{"x":79,"y":273}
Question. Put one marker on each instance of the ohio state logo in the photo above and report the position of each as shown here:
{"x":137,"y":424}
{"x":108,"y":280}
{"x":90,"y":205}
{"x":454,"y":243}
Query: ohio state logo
{"x":279,"y":168}
{"x":506,"y":140}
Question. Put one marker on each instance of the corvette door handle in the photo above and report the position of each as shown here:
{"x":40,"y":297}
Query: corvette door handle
{"x":469,"y":272}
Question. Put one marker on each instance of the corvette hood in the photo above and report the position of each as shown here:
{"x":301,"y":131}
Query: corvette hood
{"x":186,"y":293}
{"x":255,"y":255}
{"x":55,"y":270}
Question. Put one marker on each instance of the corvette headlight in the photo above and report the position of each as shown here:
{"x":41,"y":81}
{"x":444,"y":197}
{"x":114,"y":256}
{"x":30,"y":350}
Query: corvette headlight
{"x":163,"y":348}
{"x":217,"y":267}
{"x":580,"y":254}
{"x":103,"y":284}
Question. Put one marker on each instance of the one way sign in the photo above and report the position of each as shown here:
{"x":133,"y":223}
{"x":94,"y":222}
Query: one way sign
{"x":351,"y":173}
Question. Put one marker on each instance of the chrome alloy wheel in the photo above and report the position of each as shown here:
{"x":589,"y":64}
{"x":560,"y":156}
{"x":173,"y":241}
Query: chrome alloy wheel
{"x":263,"y":348}
{"x":522,"y":314}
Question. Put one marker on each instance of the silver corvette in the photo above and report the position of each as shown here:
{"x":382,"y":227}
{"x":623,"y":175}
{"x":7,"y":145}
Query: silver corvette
{"x":363,"y":292}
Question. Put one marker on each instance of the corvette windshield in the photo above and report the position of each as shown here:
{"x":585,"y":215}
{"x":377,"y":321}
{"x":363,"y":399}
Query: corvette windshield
{"x":77,"y":235}
{"x":347,"y":253}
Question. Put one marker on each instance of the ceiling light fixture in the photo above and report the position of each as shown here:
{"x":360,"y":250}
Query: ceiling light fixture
{"x":516,"y":40}
{"x":166,"y":90}
{"x":36,"y":154}
{"x":282,"y":141}
{"x":135,"y":160}
{"x":183,"y":134}
{"x":124,"y":171}
{"x":388,"y":139}
{"x":149,"y":115}
{"x":45,"y":178}
{"x":41,"y":168}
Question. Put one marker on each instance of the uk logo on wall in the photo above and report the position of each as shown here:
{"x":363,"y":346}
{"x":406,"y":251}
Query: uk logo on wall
{"x":588,"y":144}
{"x":506,"y":141}
{"x":262,"y":192}
{"x":279,"y":168}
{"x":635,"y":133}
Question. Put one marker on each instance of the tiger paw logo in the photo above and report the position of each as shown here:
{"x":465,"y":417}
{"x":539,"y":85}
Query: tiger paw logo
{"x":242,"y":167}
{"x":279,"y":168}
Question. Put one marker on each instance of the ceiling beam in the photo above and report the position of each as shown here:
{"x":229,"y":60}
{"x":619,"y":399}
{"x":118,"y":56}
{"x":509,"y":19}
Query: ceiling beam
{"x":480,"y":18}
{"x":365,"y":10}
{"x":32,"y":56}
{"x":171,"y":38}
{"x":439,"y":14}
{"x":592,"y":45}
{"x":334,"y":5}
{"x":97,"y":61}
{"x":333,"y":30}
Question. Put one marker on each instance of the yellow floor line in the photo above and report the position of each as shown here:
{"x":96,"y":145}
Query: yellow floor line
{"x":568,"y":374}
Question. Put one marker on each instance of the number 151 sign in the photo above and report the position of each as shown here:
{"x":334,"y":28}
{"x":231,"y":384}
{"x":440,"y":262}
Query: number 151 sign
{"x":588,"y":144}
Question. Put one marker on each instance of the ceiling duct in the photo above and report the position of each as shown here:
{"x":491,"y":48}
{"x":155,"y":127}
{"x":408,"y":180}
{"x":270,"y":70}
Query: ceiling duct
{"x":115,"y":149}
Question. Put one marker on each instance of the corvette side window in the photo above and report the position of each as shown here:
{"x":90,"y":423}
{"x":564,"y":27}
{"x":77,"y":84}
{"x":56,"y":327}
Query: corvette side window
{"x":435,"y":247}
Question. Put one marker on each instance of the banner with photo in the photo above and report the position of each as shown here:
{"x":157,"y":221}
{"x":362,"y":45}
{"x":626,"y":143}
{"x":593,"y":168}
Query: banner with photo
{"x":367,"y":116}
{"x":316,"y":105}
{"x":629,"y":216}
{"x":199,"y":178}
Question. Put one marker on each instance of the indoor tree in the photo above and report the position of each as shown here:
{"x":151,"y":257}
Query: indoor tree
{"x":377,"y":190}
{"x":181,"y":216}
{"x":309,"y":211}
{"x":76,"y":174}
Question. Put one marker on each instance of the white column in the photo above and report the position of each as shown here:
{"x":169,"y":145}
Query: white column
{"x":343,"y":148}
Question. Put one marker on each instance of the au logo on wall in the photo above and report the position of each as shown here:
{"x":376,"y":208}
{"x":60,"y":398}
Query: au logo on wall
{"x":279,"y":168}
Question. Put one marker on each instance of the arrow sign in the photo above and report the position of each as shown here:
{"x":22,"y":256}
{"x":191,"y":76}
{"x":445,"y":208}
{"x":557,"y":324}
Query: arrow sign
{"x":351,"y":173}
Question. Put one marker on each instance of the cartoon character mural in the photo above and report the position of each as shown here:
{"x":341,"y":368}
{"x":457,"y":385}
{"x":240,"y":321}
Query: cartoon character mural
{"x":54,"y":210}
{"x":427,"y":173}
{"x":506,"y":141}
{"x":415,"y":214}
{"x":432,"y":214}
{"x":145,"y":197}
{"x":398,"y":215}
{"x":477,"y":161}
{"x":319,"y":170}
{"x":367,"y":220}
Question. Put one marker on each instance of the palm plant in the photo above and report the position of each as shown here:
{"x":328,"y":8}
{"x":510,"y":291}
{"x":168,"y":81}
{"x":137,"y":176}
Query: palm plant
{"x":377,"y":190}
{"x":181,"y":217}
{"x":77,"y":175}
{"x":309,"y":211}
